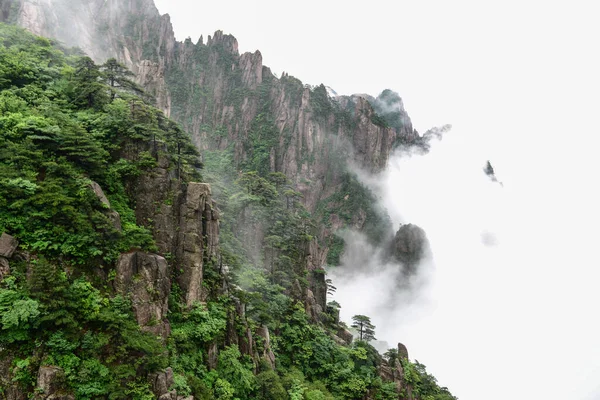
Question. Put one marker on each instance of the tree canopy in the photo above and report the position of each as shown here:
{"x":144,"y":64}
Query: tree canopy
{"x":366,"y":330}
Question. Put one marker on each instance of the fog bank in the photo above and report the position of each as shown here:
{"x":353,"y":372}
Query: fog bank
{"x":508,"y":304}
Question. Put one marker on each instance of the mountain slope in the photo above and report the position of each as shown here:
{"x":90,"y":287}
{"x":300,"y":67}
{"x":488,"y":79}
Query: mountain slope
{"x":274,"y":152}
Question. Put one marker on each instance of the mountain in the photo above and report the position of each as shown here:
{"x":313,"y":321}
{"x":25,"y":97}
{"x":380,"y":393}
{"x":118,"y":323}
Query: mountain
{"x":108,"y":204}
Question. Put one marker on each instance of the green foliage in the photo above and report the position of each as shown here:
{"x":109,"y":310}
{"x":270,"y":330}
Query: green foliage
{"x":336,"y":248}
{"x":200,"y":325}
{"x":117,"y":76}
{"x":269,"y":386}
{"x":236,"y":370}
{"x":345,"y":372}
{"x":93,"y":338}
{"x":319,"y":101}
{"x":263,"y":138}
{"x":379,"y":121}
{"x":62,"y":128}
{"x":424,"y":384}
{"x":391,"y":357}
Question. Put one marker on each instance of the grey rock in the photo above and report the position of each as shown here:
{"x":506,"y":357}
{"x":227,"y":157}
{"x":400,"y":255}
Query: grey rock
{"x":112,"y":215}
{"x":115,"y":219}
{"x":161,"y":383}
{"x":145,"y":277}
{"x":345,"y":335}
{"x":198,"y":238}
{"x":172,"y":395}
{"x":8,"y":245}
{"x":267,"y":354}
{"x":313,"y":309}
{"x":409,"y":247}
{"x":99,"y":193}
{"x":10,"y":390}
{"x":402,"y":351}
{"x":4,"y":268}
{"x":51,"y":384}
{"x":213,"y":354}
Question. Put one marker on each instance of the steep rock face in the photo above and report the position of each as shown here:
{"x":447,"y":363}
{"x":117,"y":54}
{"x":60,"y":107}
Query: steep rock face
{"x":267,"y":353}
{"x":145,"y":277}
{"x":184,"y":220}
{"x":132,"y":31}
{"x":221,"y":97}
{"x":112,"y":215}
{"x":393,"y":371}
{"x":198,"y":224}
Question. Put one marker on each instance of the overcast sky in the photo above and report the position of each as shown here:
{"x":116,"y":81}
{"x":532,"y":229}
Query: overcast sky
{"x":518,"y":80}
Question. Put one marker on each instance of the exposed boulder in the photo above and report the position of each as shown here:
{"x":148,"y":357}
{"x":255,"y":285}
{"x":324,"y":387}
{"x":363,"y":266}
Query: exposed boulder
{"x":145,"y":278}
{"x":409,"y":247}
{"x":386,"y":371}
{"x":161,"y":382}
{"x":345,"y":335}
{"x":392,"y":371}
{"x":183,"y":218}
{"x":8,"y":245}
{"x":99,"y":193}
{"x":313,"y":309}
{"x":402,"y":351}
{"x":238,"y":331}
{"x":112,"y":215}
{"x":51,"y":384}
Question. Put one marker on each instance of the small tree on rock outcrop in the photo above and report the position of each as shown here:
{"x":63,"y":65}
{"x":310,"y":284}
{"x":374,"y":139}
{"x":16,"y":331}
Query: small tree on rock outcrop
{"x":365,"y":329}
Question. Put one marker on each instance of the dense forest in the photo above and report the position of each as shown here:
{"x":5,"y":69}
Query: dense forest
{"x":80,"y":145}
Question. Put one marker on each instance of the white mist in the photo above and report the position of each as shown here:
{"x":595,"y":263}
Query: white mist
{"x":508,"y":308}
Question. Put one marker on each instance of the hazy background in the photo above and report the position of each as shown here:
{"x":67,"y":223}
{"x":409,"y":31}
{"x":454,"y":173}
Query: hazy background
{"x":519,"y":83}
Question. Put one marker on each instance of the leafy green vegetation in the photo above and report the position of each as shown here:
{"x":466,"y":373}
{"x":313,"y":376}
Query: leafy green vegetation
{"x":424,"y":384}
{"x":62,"y":129}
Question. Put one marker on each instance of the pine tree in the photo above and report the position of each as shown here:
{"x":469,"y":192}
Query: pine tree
{"x":89,"y":91}
{"x":117,"y":76}
{"x":365,"y":329}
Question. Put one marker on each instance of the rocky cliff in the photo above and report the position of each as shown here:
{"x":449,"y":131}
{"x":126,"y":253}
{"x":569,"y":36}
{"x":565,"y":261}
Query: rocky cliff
{"x":227,"y":100}
{"x":231,"y":103}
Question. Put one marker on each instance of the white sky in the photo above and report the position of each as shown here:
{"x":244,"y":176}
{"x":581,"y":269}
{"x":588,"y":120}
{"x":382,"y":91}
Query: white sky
{"x":519,"y":82}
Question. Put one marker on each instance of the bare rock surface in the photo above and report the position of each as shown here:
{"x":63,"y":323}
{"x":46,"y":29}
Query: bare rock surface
{"x":8,"y":245}
{"x":145,"y":278}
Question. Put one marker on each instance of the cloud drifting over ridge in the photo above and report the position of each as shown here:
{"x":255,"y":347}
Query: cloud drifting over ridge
{"x":510,"y":317}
